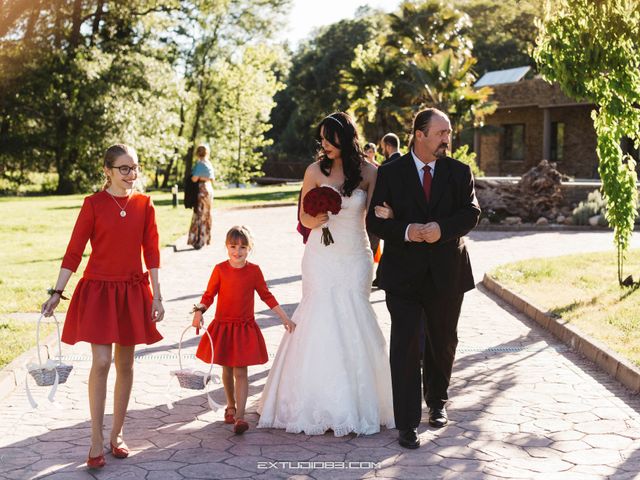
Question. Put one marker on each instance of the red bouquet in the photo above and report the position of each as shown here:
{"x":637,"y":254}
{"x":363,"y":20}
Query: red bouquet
{"x":322,"y":200}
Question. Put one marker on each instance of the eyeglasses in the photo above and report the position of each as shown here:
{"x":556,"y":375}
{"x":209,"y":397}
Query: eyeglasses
{"x":126,"y":169}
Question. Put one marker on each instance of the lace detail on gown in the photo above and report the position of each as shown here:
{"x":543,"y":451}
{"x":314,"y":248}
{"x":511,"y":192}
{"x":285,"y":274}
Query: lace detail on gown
{"x":333,"y":371}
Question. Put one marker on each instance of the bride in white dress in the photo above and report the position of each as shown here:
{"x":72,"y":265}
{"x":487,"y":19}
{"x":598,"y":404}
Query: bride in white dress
{"x":333,"y":372}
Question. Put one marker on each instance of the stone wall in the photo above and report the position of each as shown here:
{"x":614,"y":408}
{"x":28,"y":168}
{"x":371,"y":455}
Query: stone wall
{"x":524,"y":103}
{"x":573,"y":192}
{"x":579,"y":158}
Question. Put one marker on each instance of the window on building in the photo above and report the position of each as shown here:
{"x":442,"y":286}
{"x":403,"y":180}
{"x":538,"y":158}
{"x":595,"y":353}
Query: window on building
{"x":513,"y":142}
{"x":557,"y":141}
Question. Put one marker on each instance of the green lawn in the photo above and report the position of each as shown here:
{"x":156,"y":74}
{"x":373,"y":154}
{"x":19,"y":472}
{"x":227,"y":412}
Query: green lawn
{"x":34,"y":236}
{"x":583,"y":290}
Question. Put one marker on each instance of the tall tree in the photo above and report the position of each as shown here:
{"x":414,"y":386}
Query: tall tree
{"x":423,"y":59}
{"x":238,"y":117}
{"x":313,"y":86}
{"x":592,"y":49}
{"x":85,"y":72}
{"x":210,"y":35}
{"x":503,"y":32}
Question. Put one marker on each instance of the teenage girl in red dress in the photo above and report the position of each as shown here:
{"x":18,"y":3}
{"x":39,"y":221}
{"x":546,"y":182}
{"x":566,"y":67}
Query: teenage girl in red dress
{"x":237,"y":340}
{"x":112,"y":303}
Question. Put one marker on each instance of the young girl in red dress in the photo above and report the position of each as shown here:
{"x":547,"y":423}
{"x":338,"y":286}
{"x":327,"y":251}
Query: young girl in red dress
{"x":237,"y":340}
{"x":112,"y":303}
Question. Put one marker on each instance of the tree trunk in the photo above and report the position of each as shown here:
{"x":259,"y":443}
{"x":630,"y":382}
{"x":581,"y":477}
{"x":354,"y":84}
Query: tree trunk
{"x":97,"y":17}
{"x":188,"y":158}
{"x":31,"y":22}
{"x":65,"y":185}
{"x":74,"y":35}
{"x":58,"y":24}
{"x":239,"y":158}
{"x":11,"y":13}
{"x":167,"y":172}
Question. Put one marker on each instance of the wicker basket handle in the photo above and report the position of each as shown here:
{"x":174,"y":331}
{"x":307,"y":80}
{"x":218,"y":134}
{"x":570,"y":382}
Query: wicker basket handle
{"x":40,"y":364}
{"x":180,"y":348}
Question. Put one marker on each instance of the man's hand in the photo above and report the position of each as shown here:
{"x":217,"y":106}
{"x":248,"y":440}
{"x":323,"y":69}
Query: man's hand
{"x":430,"y":232}
{"x":383,"y":211}
{"x":415,"y":232}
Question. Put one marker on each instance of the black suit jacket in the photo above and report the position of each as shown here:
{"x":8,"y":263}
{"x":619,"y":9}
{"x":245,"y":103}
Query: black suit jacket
{"x":404,"y":265}
{"x":392,"y":157}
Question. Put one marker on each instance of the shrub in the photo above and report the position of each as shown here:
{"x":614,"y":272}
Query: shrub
{"x":465,"y":156}
{"x":593,"y":205}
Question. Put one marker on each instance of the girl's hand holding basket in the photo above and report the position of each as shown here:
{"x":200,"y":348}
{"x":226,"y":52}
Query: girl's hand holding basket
{"x":198,"y":320}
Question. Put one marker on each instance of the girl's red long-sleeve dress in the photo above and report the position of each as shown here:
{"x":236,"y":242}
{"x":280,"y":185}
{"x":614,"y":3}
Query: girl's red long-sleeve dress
{"x":237,"y":339}
{"x":112,"y":301}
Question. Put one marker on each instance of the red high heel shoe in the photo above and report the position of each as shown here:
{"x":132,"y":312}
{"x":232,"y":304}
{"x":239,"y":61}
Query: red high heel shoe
{"x":119,"y":452}
{"x":96,"y":462}
{"x":240,"y":427}
{"x":229,"y":417}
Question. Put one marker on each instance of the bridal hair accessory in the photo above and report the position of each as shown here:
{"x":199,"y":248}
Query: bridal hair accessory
{"x":322,"y":200}
{"x":50,"y":373}
{"x":336,"y":120}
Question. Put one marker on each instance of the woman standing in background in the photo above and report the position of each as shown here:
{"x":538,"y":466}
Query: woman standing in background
{"x":202,"y":174}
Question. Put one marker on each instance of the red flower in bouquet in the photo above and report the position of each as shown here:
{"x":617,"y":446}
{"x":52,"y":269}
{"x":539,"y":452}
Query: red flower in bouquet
{"x":322,"y":200}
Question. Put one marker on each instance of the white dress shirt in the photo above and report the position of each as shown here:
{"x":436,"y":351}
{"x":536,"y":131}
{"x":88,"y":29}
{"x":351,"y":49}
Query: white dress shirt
{"x":419,"y":168}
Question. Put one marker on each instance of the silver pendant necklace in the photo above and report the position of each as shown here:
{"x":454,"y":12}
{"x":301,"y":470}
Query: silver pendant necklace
{"x":123,"y":213}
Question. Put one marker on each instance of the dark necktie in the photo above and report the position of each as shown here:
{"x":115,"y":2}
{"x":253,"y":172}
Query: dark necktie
{"x":426,"y":181}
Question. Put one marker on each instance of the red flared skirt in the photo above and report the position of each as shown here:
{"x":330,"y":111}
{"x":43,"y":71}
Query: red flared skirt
{"x":236,"y":343}
{"x":111,"y":311}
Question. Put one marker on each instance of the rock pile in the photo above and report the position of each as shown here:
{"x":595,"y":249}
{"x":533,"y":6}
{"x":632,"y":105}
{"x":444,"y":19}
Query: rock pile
{"x":537,"y":195}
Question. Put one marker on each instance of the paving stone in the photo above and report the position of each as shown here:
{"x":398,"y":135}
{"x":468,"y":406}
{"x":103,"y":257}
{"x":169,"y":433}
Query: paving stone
{"x":287,"y":453}
{"x":601,"y":426}
{"x":213,"y":470}
{"x":164,"y":475}
{"x":593,"y":456}
{"x":522,"y":403}
{"x":603,"y":471}
{"x":411,"y":473}
{"x":566,"y":435}
{"x":199,"y":455}
{"x":615,"y":442}
{"x":570,"y":446}
{"x":161,"y":465}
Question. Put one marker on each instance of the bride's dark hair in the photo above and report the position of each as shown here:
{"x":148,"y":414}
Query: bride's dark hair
{"x":341,"y":126}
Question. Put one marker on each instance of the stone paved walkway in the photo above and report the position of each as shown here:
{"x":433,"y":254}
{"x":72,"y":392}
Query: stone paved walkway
{"x":523,"y":405}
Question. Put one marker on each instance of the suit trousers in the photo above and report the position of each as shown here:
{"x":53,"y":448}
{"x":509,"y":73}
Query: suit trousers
{"x":438,"y":314}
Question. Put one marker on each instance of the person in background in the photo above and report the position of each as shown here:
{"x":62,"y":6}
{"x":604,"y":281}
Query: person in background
{"x":370,"y":156}
{"x":370,"y":153}
{"x":203,"y":174}
{"x":390,"y":147}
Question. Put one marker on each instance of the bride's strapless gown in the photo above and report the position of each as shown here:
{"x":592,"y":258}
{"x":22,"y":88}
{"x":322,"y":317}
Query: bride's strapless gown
{"x":333,"y":371}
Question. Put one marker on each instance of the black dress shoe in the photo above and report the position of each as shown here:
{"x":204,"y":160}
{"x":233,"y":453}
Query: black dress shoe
{"x":409,"y":438}
{"x":438,"y":417}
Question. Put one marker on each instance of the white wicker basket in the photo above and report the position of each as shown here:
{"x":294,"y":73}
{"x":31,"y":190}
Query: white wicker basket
{"x":44,"y":374}
{"x":189,"y":378}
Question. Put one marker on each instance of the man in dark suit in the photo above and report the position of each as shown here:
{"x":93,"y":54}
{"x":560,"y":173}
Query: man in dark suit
{"x":390,"y":146}
{"x":425,"y":269}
